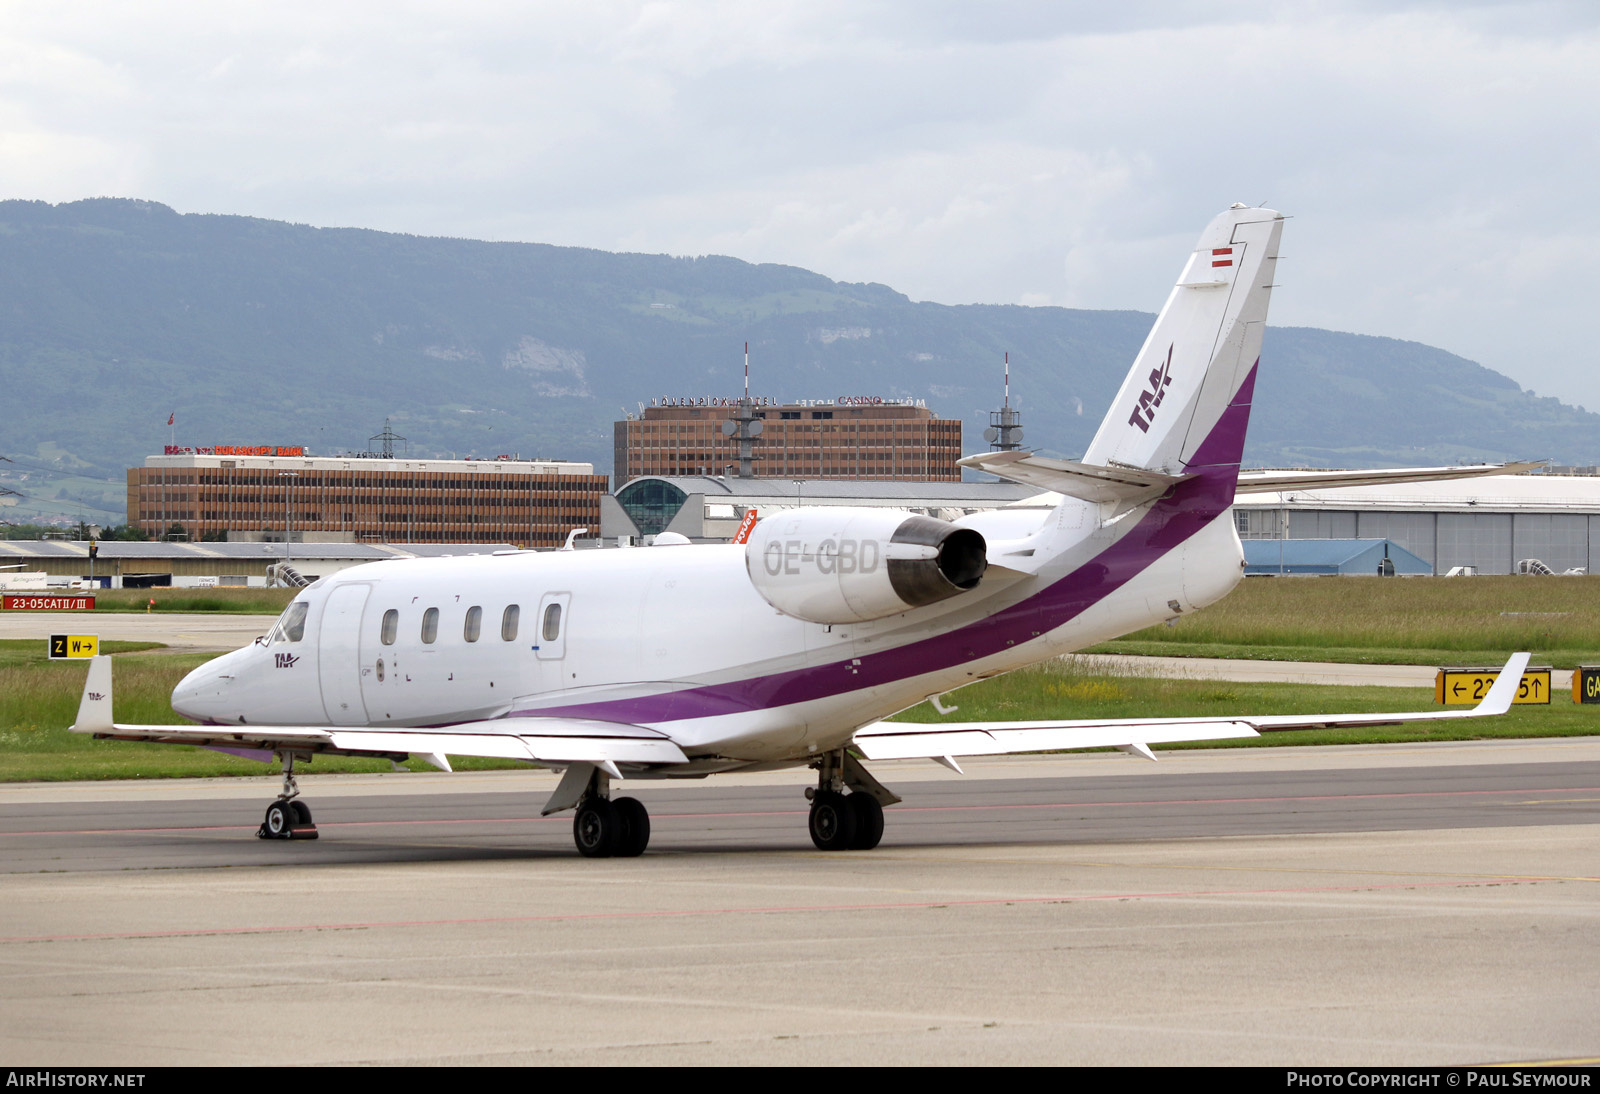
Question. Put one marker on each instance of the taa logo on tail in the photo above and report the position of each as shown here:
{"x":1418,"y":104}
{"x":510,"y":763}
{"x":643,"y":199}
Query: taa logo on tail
{"x":1145,"y":412}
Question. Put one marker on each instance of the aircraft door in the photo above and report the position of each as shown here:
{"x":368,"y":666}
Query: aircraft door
{"x":339,"y":655}
{"x":550,"y":641}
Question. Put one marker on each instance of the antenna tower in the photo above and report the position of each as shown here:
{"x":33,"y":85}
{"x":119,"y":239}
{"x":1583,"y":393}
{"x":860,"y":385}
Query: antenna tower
{"x":1005,"y":425}
{"x":744,"y":427}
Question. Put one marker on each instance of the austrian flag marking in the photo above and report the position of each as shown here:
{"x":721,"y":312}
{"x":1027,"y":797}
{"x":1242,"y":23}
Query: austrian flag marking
{"x":1221,"y":256}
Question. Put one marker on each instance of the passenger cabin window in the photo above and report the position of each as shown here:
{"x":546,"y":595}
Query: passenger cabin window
{"x":391,"y":626}
{"x":474,"y":624}
{"x":430,"y":626}
{"x":291,"y":625}
{"x":552,"y":622}
{"x":508,"y":623}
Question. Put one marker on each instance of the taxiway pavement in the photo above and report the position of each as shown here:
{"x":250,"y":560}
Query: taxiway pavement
{"x":1429,"y":903}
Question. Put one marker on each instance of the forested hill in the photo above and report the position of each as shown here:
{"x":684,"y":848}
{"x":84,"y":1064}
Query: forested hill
{"x":118,"y":313}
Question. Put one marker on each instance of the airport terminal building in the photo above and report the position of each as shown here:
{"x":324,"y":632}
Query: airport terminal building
{"x":270,"y":493}
{"x":858,"y":437}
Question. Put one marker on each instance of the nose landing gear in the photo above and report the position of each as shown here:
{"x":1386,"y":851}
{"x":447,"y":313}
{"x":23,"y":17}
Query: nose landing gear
{"x":287,"y":818}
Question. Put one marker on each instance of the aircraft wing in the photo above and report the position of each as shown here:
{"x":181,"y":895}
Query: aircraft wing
{"x":945,"y":740}
{"x":1269,"y":482}
{"x":547,"y":741}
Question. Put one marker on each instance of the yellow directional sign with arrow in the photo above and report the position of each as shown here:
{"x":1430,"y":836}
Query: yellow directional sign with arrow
{"x":1468,"y":686}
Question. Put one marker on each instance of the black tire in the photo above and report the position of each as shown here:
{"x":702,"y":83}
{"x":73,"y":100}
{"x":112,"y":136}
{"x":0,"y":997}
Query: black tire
{"x":279,"y":821}
{"x":833,"y":821}
{"x":869,"y":821}
{"x":302,"y":813}
{"x":595,"y":828}
{"x":635,"y":835}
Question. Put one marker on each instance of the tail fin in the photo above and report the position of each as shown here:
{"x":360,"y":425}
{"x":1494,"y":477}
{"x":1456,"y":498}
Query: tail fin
{"x":1172,"y":414}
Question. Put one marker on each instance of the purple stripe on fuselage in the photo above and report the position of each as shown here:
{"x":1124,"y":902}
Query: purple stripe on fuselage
{"x":1192,"y":504}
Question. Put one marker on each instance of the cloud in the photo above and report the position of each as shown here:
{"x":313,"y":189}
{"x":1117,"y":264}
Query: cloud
{"x":1437,"y":157}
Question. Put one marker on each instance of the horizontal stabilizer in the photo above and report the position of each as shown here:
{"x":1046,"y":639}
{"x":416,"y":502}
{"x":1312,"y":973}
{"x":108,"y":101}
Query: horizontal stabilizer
{"x":1090,"y":482}
{"x":1270,"y":482}
{"x":944,"y":740}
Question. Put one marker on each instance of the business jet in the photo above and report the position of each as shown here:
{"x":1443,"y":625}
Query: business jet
{"x":790,"y":649}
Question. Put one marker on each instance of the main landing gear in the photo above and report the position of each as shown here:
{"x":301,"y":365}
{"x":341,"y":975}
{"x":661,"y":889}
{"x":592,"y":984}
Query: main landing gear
{"x":611,"y":827}
{"x":288,"y":818}
{"x":843,"y":821}
{"x":603,"y":826}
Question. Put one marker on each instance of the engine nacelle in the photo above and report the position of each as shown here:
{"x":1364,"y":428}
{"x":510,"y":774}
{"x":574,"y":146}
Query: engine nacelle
{"x":843,"y":565}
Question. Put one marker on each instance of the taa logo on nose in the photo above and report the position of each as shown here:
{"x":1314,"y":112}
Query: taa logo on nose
{"x":1145,"y":412}
{"x":286,"y":660}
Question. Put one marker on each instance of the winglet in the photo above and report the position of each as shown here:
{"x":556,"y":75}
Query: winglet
{"x":94,"y":709}
{"x":1505,"y":686}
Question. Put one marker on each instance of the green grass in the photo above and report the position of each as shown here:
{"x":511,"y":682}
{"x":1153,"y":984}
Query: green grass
{"x":1389,"y":621}
{"x":239,"y":601}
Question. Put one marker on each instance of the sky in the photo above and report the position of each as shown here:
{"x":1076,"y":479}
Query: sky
{"x":1438,"y":159}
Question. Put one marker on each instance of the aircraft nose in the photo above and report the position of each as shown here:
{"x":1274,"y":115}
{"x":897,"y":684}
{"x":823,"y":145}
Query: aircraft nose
{"x":199,"y":695}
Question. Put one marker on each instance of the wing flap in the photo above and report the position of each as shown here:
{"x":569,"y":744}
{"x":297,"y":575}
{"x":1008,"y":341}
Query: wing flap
{"x":909,"y":740}
{"x":249,"y":738}
{"x":513,"y":741}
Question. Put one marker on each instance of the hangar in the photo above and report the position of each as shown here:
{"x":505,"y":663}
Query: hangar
{"x":1330,"y":557}
{"x":1491,"y":524}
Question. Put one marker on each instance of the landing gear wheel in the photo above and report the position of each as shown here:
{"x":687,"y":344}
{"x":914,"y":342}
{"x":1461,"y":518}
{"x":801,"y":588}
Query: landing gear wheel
{"x":869,"y":821}
{"x":833,"y":822}
{"x":279,"y":822}
{"x":635,"y":834}
{"x":596,"y":829}
{"x":302,"y":815}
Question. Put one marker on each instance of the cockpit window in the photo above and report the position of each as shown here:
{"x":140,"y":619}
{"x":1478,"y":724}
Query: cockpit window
{"x":291,"y":625}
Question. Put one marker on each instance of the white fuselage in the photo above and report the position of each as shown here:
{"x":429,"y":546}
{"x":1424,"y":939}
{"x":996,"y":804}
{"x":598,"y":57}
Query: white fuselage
{"x":678,"y":639}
